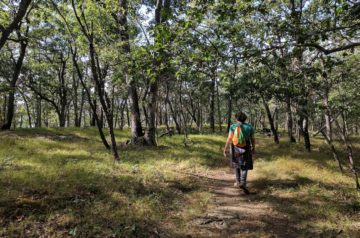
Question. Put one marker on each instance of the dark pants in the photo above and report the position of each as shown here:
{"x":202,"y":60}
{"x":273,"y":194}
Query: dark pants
{"x":241,"y":175}
{"x":242,"y":164}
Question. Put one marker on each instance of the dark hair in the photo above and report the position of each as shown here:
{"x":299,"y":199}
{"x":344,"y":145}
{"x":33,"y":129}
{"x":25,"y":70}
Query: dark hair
{"x":240,"y":116}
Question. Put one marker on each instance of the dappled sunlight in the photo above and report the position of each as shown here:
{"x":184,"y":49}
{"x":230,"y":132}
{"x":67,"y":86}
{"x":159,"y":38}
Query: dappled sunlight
{"x":67,"y":184}
{"x":76,"y":184}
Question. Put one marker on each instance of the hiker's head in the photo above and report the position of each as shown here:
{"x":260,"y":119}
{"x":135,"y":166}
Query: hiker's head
{"x":241,"y":117}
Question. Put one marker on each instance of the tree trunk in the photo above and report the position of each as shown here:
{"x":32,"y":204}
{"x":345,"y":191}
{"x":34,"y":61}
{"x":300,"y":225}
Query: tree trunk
{"x":92,"y":106}
{"x":160,"y":119}
{"x":127,"y":114}
{"x":27,"y":107}
{"x":10,"y":109}
{"x":11,"y":97}
{"x":3,"y":111}
{"x":344,"y":137}
{"x":150,"y":134}
{"x":193,"y":111}
{"x":21,"y":121}
{"x":333,"y":150}
{"x":161,"y":14}
{"x":276,"y":119}
{"x":289,"y":120}
{"x":79,"y":122}
{"x":303,"y":123}
{"x":173,"y":113}
{"x":38,"y":123}
{"x":136,"y":127}
{"x":104,"y":101}
{"x":166,"y":120}
{"x":218,"y":107}
{"x":122,"y":119}
{"x":271,"y":121}
{"x":198,"y":116}
{"x":328,"y":127}
{"x":212,"y":104}
{"x":101,"y":122}
{"x":162,"y":10}
{"x":305,"y":132}
{"x":62,"y":117}
{"x":23,"y":7}
{"x":93,"y":121}
{"x":62,"y":93}
{"x":229,"y":112}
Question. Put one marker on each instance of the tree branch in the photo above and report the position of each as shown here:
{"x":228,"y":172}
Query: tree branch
{"x":23,"y":7}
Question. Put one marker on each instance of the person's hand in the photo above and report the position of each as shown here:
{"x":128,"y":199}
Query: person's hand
{"x":225,"y":152}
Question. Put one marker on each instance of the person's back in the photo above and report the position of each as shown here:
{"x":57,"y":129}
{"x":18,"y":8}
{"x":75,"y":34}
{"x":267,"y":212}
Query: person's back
{"x":248,"y":131}
{"x":241,"y":137}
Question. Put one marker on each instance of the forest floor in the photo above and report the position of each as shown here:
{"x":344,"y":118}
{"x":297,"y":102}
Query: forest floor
{"x":62,"y":183}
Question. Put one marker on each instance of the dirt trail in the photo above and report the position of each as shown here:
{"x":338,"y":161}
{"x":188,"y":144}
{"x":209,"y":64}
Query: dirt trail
{"x":234,"y":214}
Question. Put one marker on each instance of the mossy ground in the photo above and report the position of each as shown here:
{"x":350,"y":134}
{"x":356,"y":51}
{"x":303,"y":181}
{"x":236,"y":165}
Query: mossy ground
{"x":63,"y":183}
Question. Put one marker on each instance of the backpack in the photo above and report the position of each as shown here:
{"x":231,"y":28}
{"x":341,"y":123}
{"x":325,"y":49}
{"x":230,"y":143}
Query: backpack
{"x":239,"y":137}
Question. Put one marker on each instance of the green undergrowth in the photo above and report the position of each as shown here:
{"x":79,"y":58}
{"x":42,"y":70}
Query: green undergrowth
{"x":63,"y":183}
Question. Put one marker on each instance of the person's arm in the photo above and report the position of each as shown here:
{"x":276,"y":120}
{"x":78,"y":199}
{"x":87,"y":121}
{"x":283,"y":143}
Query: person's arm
{"x":228,"y":142}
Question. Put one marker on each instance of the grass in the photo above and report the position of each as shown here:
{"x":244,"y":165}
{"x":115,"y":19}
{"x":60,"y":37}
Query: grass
{"x":62,"y":183}
{"x":309,"y":188}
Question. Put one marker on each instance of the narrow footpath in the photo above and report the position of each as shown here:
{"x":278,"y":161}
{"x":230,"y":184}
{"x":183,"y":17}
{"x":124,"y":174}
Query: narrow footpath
{"x":232,"y":213}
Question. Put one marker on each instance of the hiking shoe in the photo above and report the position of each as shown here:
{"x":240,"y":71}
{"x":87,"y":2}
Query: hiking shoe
{"x":244,"y":188}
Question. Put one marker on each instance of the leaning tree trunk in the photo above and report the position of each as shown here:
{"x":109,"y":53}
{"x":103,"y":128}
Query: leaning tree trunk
{"x":104,"y":100}
{"x":11,"y":96}
{"x":344,"y":137}
{"x":92,"y":105}
{"x":79,"y":122}
{"x":6,"y":31}
{"x":271,"y":121}
{"x":333,"y":149}
{"x":98,"y":80}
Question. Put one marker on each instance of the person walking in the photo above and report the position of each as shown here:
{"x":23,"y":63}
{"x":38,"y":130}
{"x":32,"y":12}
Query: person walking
{"x":241,"y":141}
